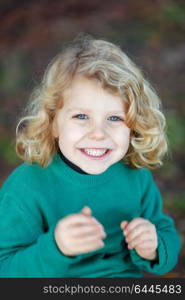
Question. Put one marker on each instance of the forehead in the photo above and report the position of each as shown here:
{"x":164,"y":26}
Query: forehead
{"x":90,"y":93}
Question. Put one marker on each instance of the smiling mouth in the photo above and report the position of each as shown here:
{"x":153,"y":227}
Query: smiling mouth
{"x":96,"y":153}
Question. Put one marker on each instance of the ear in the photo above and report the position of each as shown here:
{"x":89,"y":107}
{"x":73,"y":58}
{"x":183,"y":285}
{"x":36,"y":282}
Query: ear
{"x":55,"y":128}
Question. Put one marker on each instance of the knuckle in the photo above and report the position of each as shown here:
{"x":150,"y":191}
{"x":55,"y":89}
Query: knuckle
{"x":152,"y":226}
{"x":60,"y":225}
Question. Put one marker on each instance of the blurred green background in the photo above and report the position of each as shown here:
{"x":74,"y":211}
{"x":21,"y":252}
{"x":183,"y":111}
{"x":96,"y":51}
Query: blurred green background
{"x":151,"y":32}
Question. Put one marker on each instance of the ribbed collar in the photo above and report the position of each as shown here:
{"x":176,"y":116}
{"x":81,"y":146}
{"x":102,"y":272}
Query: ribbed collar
{"x":82,"y":179}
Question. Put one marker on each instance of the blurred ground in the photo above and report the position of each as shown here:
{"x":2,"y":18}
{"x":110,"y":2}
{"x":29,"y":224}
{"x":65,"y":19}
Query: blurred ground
{"x":150,"y":32}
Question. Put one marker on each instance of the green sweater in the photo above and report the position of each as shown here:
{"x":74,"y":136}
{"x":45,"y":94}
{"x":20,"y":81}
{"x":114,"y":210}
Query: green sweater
{"x":34,"y":199}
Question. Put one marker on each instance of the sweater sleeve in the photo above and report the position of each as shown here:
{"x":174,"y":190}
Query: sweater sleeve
{"x":25,"y":249}
{"x":168,"y":239}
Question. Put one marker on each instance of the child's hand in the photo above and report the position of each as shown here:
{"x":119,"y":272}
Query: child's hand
{"x":79,"y":233}
{"x":141,"y":235}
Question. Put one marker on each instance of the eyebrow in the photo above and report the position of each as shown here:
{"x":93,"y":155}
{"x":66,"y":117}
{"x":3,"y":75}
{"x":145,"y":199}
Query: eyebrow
{"x":88,"y":110}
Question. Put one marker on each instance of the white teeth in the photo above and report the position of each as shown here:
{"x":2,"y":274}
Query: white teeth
{"x":95,"y":152}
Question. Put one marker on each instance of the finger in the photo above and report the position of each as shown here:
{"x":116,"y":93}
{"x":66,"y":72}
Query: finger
{"x":139,"y":240}
{"x":135,"y":222}
{"x":123,"y":225}
{"x":136,"y":232}
{"x":98,"y":224}
{"x":86,"y":211}
{"x":86,"y":239}
{"x":91,"y":246}
{"x":77,"y":219}
{"x":81,"y":219}
{"x":83,"y":231}
{"x":145,"y":245}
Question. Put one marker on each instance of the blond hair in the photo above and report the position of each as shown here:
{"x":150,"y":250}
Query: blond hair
{"x":106,"y":62}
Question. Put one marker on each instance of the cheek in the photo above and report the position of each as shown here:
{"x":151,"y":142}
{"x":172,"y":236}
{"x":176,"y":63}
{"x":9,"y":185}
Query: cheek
{"x":70,"y":133}
{"x":122,"y":137}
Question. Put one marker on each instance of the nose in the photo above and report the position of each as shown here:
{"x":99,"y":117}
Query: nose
{"x":97,"y":132}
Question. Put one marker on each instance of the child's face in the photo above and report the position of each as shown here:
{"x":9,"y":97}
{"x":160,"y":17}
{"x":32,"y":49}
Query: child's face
{"x":90,"y":126}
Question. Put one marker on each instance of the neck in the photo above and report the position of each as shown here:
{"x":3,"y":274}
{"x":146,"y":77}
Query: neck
{"x":71,"y":165}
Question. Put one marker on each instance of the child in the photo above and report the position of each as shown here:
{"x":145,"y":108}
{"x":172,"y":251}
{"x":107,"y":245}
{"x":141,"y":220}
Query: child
{"x":83,"y":203}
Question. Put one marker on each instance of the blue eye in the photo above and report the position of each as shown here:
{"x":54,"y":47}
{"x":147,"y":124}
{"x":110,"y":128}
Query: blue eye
{"x":114,"y":118}
{"x":81,"y":117}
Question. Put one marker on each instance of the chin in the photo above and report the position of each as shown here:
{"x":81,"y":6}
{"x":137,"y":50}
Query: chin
{"x":95,"y":172}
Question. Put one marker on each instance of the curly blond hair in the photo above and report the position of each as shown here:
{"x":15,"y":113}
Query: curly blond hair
{"x":106,"y":62}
